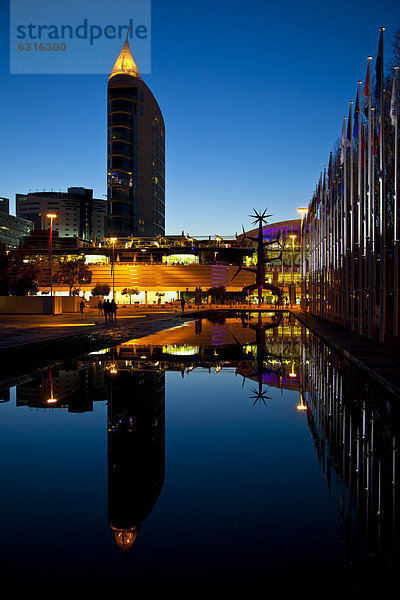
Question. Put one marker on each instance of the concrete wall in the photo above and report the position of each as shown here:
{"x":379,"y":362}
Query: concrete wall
{"x":30,"y":305}
{"x":70,"y":303}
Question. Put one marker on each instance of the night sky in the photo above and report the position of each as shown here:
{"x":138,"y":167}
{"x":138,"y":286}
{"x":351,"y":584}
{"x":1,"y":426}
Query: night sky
{"x":253,"y":95}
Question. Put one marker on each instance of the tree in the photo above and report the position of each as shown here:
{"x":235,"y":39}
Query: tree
{"x":101,"y":289}
{"x":73,"y":272}
{"x":20,"y":275}
{"x":395,"y":60}
{"x":217,"y":293}
{"x":130,"y":292}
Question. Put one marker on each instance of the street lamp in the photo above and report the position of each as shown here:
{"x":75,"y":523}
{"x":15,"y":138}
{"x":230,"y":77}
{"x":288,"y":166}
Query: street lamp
{"x":292,"y":237}
{"x":303,"y":211}
{"x":291,"y":294}
{"x":51,"y":216}
{"x":113,"y":240}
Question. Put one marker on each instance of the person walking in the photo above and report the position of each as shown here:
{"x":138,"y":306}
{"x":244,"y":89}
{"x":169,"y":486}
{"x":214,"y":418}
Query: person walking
{"x":113,"y":310}
{"x":106,"y":309}
{"x":183,"y":303}
{"x":100,"y":307}
{"x":81,"y":306}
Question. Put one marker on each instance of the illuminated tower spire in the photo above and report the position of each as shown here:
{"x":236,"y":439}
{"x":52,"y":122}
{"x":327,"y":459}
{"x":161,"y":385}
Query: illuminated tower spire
{"x":125,"y":65}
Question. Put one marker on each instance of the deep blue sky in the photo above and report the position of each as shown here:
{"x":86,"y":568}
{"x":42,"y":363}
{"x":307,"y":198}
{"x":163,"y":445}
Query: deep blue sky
{"x":252,"y":94}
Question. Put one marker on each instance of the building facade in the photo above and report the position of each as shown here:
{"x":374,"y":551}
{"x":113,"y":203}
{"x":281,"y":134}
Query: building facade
{"x":78,"y":213}
{"x":12,"y":229}
{"x":136,"y":154}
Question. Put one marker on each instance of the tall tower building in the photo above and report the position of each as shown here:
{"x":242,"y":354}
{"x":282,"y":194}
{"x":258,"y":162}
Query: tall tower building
{"x":136,"y":154}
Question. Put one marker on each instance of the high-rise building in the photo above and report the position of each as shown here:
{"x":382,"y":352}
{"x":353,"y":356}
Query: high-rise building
{"x":12,"y":229}
{"x":136,"y":154}
{"x":78,"y":213}
{"x":4,"y":205}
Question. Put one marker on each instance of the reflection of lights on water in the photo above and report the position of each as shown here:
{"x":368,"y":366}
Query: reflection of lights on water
{"x":301,"y":406}
{"x":180,"y":350}
{"x":250,"y":348}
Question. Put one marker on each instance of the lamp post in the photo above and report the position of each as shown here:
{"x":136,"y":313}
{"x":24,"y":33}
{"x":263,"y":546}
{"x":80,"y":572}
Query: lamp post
{"x":303,"y":211}
{"x":292,"y":237}
{"x":51,"y":216}
{"x":113,"y":240}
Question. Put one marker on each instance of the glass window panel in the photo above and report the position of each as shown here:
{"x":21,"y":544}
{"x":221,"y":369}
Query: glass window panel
{"x":120,"y":133}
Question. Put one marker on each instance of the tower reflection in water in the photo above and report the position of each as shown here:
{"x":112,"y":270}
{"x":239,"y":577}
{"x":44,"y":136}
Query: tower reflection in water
{"x":136,"y":449}
{"x":354,"y":424}
{"x":136,"y":428}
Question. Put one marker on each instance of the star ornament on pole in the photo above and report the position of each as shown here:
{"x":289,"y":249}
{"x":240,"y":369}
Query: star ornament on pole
{"x":260,"y":217}
{"x":259,"y":396}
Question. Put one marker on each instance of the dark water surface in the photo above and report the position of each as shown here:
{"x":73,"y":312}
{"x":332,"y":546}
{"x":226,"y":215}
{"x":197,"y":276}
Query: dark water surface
{"x":239,"y":456}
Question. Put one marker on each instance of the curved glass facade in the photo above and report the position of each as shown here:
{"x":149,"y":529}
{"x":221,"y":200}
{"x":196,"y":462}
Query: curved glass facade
{"x":135,"y":159}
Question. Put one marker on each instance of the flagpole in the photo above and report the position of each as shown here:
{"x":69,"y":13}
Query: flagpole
{"x":359,"y":215}
{"x":365,"y":250}
{"x":351,"y":257}
{"x":337,"y":246}
{"x":373,"y":225}
{"x":382,"y":203}
{"x":394,"y":108}
{"x":344,"y":239}
{"x":369,"y":222}
{"x":330,"y":247}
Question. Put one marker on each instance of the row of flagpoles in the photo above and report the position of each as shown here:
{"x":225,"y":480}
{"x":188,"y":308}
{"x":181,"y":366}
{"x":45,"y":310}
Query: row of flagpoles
{"x":353,"y":216}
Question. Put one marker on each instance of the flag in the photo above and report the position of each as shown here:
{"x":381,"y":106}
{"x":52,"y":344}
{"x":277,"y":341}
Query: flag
{"x":329,"y":197}
{"x":343,"y":143}
{"x":362,"y":146}
{"x":374,"y":135}
{"x":348,"y":137}
{"x":329,"y":171}
{"x":379,"y":70}
{"x":393,"y":103}
{"x":357,"y":115}
{"x":319,"y":192}
{"x":367,"y":89}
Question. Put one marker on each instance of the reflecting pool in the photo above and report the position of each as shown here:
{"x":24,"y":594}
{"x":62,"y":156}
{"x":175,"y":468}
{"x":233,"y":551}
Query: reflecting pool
{"x":238,"y":454}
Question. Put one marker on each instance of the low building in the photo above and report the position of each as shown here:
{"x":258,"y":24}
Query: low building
{"x":38,"y":239}
{"x":164,"y":268}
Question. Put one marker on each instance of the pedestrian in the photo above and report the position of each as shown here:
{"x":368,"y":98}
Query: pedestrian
{"x":100,"y":307}
{"x":81,"y":306}
{"x":113,"y":310}
{"x":106,"y":309}
{"x":183,"y":304}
